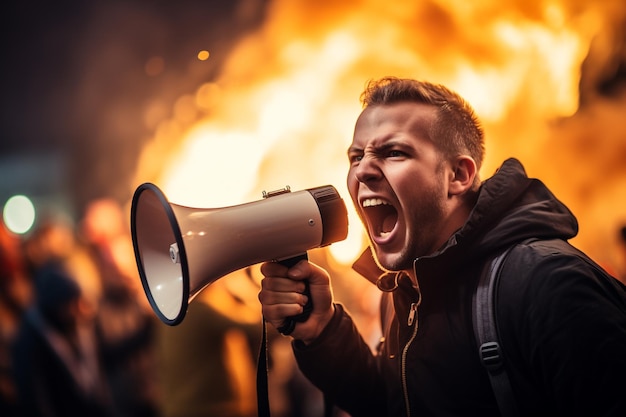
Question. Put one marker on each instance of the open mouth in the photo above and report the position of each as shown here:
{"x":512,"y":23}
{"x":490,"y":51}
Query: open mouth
{"x":381,"y":216}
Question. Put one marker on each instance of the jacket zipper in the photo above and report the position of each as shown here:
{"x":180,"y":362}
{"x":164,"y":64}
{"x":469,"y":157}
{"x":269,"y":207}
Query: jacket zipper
{"x":412,"y":319}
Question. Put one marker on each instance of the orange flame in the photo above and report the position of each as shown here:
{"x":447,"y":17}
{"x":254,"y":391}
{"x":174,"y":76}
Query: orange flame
{"x":283,"y":110}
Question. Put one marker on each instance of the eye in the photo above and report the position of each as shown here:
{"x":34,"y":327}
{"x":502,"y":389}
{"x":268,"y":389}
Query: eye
{"x":394,"y":153}
{"x":356,"y":157}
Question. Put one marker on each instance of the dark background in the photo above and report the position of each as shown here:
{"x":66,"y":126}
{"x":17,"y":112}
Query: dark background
{"x":74,"y":86}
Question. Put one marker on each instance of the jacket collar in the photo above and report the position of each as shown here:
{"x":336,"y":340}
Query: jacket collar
{"x":510,"y":208}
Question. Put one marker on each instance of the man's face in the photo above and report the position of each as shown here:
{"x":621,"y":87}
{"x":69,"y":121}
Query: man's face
{"x":399,"y":183}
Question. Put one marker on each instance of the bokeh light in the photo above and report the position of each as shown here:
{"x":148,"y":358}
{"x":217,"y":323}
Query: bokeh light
{"x":19,"y":214}
{"x":203,"y":55}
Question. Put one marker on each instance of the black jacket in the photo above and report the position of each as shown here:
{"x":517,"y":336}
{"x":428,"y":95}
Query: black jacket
{"x":562,"y":320}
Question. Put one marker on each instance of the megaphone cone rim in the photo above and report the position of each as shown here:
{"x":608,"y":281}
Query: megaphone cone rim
{"x":181,"y":249}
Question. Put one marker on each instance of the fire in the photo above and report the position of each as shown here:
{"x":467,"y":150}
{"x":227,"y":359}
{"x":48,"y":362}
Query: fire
{"x":283,"y":109}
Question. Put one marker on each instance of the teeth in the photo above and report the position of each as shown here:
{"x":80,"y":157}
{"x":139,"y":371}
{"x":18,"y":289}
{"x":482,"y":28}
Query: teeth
{"x":384,"y":234}
{"x":371,"y":202}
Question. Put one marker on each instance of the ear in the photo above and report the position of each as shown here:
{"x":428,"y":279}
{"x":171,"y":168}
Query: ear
{"x":462,"y":175}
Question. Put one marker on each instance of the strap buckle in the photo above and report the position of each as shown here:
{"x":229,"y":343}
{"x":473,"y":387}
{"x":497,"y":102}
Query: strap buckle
{"x":491,"y":356}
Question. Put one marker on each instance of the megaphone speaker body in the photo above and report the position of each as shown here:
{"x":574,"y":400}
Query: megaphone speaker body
{"x":180,"y":250}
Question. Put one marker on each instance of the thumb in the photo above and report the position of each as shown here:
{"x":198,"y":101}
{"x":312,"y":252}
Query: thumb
{"x":319,"y":286}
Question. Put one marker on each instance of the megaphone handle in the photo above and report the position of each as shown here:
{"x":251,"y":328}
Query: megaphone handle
{"x":290,"y":322}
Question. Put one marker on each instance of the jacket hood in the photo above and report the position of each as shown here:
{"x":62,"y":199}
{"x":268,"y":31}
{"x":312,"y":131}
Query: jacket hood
{"x":510,"y":208}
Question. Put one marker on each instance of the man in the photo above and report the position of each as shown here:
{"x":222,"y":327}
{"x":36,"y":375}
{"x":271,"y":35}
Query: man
{"x":413,"y":177}
{"x":55,"y":353}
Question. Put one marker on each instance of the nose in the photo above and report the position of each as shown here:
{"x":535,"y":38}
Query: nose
{"x":367,"y":170}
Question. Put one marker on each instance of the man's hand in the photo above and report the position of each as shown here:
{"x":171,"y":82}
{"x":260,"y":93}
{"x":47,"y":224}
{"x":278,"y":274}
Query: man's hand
{"x":282,"y":296}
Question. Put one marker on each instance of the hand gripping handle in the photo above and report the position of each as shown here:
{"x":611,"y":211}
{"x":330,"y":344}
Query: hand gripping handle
{"x":290,"y":322}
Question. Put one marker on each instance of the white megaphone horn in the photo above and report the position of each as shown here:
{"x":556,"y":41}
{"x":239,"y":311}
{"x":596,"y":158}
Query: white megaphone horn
{"x":180,"y":250}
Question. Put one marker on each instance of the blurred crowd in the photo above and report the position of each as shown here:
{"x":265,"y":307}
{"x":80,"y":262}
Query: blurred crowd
{"x":78,"y":337}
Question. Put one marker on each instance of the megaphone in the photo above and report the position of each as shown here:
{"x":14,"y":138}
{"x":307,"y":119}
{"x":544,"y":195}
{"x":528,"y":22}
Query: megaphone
{"x":181,"y":250}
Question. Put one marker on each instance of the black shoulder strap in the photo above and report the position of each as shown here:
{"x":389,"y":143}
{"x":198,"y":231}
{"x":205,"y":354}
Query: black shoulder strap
{"x":486,"y":332}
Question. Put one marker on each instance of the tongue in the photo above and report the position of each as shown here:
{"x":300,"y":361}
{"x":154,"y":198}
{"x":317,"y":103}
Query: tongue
{"x":389,"y":222}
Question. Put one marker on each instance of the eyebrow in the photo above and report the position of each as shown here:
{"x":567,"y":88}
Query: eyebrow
{"x":390,"y":144}
{"x":379,"y":147}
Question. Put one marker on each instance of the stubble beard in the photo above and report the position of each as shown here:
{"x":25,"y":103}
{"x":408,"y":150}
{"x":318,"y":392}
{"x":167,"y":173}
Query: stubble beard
{"x":423,"y":220}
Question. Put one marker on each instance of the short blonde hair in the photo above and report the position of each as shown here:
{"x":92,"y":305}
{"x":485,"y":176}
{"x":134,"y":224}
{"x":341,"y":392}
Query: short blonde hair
{"x":456,"y":130}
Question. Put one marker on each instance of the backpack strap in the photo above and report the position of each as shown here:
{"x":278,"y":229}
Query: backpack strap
{"x":486,"y":333}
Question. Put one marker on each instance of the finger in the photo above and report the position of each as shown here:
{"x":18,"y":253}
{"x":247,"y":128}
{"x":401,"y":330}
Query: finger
{"x":273,"y":269}
{"x":307,"y":270}
{"x":269,"y":297}
{"x":276,"y":314}
{"x":282,"y":285}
